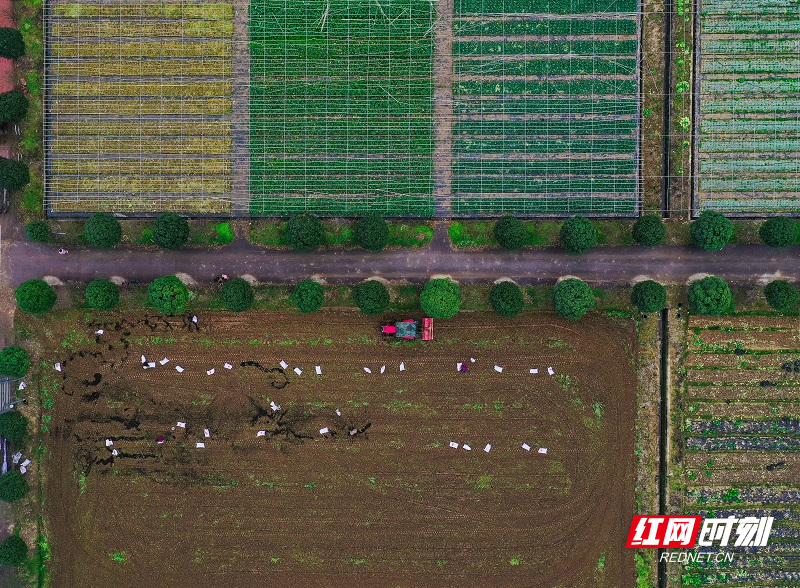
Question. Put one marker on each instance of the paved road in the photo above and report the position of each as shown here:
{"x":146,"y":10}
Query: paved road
{"x":603,"y":265}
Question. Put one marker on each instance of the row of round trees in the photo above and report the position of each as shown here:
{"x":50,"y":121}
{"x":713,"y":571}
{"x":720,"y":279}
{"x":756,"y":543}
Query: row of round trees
{"x":170,"y":230}
{"x":305,"y":231}
{"x":710,"y":231}
{"x":440,"y":298}
{"x":14,"y":362}
{"x":13,"y":104}
{"x":37,"y":296}
{"x":13,"y":108}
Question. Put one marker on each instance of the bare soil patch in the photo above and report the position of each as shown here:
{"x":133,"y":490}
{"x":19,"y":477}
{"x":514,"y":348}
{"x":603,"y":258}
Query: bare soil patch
{"x":381,"y":499}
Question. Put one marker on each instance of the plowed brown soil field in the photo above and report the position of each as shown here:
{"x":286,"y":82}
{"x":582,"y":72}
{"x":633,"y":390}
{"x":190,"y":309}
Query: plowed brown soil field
{"x":381,"y":499}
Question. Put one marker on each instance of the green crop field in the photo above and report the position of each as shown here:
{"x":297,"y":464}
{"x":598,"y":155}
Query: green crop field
{"x":546,"y":107}
{"x":341,"y":107}
{"x":139,"y":107}
{"x":740,"y":421}
{"x":748,"y":128}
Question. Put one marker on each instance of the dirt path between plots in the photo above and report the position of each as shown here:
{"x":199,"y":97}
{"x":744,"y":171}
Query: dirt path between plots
{"x":380,"y":498}
{"x":443,"y":107}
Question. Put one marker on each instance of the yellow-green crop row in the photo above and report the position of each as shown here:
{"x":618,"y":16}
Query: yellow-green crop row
{"x":141,"y":29}
{"x":185,"y":146}
{"x":138,"y":204}
{"x":215,"y":11}
{"x":104,"y":167}
{"x":167,"y":67}
{"x":187,"y":106}
{"x":107,"y":89}
{"x":139,"y":49}
{"x":134,"y":185}
{"x":145,"y":128}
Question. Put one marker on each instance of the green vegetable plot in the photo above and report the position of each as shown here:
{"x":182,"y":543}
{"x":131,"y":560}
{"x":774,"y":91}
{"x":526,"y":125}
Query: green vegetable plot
{"x":341,"y":107}
{"x":546,"y":109}
{"x":748,"y":129}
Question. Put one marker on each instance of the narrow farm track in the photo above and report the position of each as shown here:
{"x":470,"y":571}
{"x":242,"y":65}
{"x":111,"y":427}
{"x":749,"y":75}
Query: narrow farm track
{"x":241,"y":110}
{"x":443,"y":107}
{"x":606,"y":265}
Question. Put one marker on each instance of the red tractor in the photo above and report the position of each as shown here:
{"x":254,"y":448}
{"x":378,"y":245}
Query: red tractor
{"x":408,"y":330}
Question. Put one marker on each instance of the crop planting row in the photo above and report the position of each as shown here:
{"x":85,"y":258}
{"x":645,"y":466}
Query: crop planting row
{"x":341,"y":107}
{"x":134,"y":204}
{"x":748,"y":106}
{"x":150,"y":106}
{"x":141,"y":49}
{"x":111,"y":63}
{"x":546,"y":109}
{"x":127,"y":128}
{"x":741,"y":437}
{"x":185,"y":10}
{"x":150,"y":67}
{"x":137,"y":28}
{"x":480,"y":7}
{"x":140,"y":167}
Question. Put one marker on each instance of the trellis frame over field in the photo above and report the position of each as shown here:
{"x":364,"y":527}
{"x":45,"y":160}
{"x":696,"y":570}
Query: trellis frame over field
{"x":185,"y":148}
{"x":580,"y":167}
{"x":138,"y":107}
{"x":744,"y":172}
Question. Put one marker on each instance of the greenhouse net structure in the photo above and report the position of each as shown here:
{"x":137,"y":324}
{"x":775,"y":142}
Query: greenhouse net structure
{"x":341,"y":118}
{"x":546,"y":107}
{"x":747,"y":119}
{"x":343,"y":107}
{"x":138,"y":111}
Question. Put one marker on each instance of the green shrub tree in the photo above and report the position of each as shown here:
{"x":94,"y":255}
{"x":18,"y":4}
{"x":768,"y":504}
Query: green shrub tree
{"x":14,"y":361}
{"x":506,"y":298}
{"x":102,"y":230}
{"x":578,"y":234}
{"x":372,"y":232}
{"x":649,"y":296}
{"x":170,"y":231}
{"x":237,"y":295}
{"x":308,"y":296}
{"x":440,"y":298}
{"x":13,"y":425}
{"x":710,"y":296}
{"x":168,"y":295}
{"x":510,"y":232}
{"x":781,"y":295}
{"x":13,"y":551}
{"x":572,"y":298}
{"x":372,"y":297}
{"x":649,"y":230}
{"x":11,"y":44}
{"x":13,"y":486}
{"x":13,"y":106}
{"x":711,"y":230}
{"x":304,"y":231}
{"x":779,"y":231}
{"x":13,"y":174}
{"x":102,"y":294}
{"x":39,"y":231}
{"x":35,"y":296}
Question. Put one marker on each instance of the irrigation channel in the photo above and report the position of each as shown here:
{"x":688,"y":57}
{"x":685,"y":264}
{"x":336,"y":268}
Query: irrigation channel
{"x":663,"y":432}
